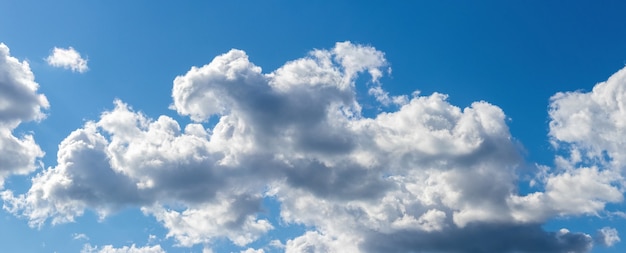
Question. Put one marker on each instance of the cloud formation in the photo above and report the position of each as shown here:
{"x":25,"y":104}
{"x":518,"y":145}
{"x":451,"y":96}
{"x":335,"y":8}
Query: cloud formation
{"x":19,"y":102}
{"x":592,"y":122}
{"x":67,"y":58}
{"x":411,"y":179}
{"x":587,"y":129}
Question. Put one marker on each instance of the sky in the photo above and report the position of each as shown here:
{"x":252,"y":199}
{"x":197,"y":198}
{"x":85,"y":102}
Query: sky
{"x":324,"y":126}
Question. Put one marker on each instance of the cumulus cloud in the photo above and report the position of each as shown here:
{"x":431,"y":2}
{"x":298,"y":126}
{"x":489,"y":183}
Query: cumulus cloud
{"x":201,"y":224}
{"x":592,"y":122}
{"x":67,"y":58}
{"x":587,"y":129}
{"x":125,"y":249}
{"x":412,"y":179}
{"x":81,"y":179}
{"x":19,"y":102}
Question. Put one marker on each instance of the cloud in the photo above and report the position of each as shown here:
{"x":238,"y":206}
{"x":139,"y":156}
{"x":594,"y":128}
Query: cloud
{"x":586,"y":128}
{"x":411,"y":179}
{"x":19,"y":102}
{"x":231,"y":217}
{"x":68,"y":59}
{"x":151,"y":164}
{"x":125,"y":249}
{"x":77,"y":236}
{"x":81,"y":179}
{"x":314,"y":241}
{"x":383,"y":97}
{"x":607,"y":236}
{"x":251,"y":250}
{"x":590,"y":124}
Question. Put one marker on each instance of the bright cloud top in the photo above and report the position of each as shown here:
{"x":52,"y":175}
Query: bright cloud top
{"x":68,"y":59}
{"x":424,"y":176}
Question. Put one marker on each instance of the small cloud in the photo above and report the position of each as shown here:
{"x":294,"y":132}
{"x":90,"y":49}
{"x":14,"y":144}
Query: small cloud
{"x":251,"y":250}
{"x":607,"y":236}
{"x":87,"y":248}
{"x":77,"y":236}
{"x":152,"y":239}
{"x":383,"y":97}
{"x":277,"y":244}
{"x":618,"y":214}
{"x":68,"y":59}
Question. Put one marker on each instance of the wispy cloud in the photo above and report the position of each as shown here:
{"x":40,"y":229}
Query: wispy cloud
{"x":125,"y":249}
{"x":80,"y":236}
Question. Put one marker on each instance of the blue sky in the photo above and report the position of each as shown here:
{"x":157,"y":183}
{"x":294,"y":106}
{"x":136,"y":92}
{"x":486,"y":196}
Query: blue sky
{"x":275,"y":126}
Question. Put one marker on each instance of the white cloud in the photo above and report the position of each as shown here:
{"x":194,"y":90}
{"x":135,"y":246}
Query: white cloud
{"x":19,"y":102}
{"x":77,"y":236}
{"x":276,"y":244}
{"x":592,"y":122}
{"x":587,"y":129}
{"x":313,"y":241}
{"x":152,"y":239}
{"x":149,"y":163}
{"x":429,"y":170}
{"x":384,"y":98}
{"x":251,"y":250}
{"x":81,"y":179}
{"x":584,"y":190}
{"x":608,"y":236}
{"x":125,"y":249}
{"x":67,"y":58}
{"x":357,"y":58}
{"x":232,"y":217}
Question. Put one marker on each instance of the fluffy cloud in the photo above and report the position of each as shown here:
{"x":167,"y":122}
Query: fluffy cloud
{"x":148,"y":163}
{"x":232,"y":218}
{"x":587,"y":128}
{"x":413,"y":179}
{"x":251,"y":250}
{"x":19,"y":102}
{"x":67,"y":58}
{"x":81,"y":179}
{"x":592,"y":123}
